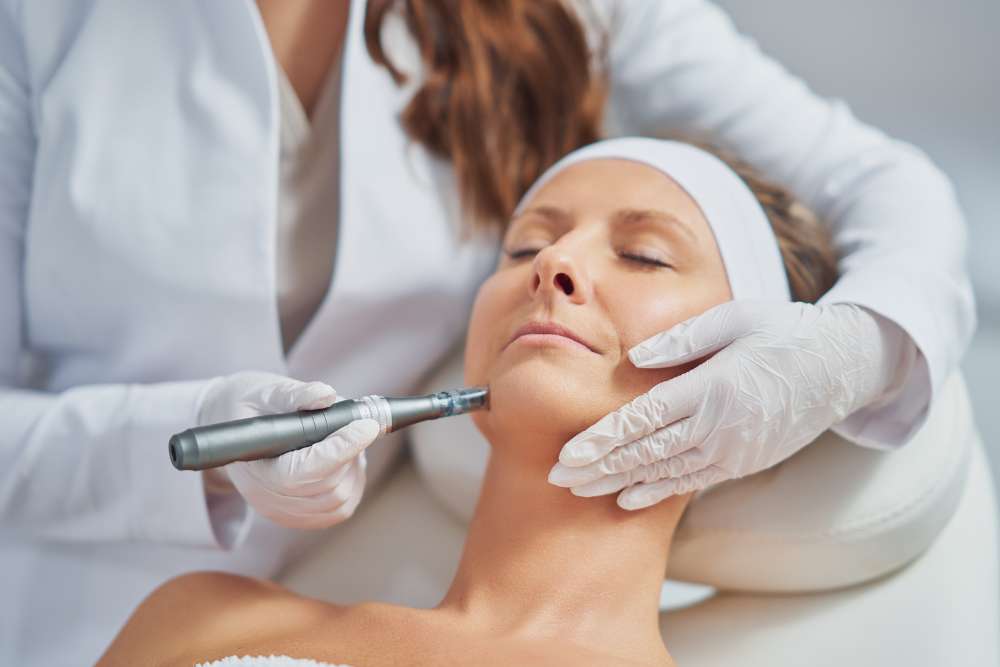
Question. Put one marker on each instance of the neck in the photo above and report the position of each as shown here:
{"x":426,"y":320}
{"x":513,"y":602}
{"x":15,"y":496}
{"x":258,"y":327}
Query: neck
{"x":541,"y":563}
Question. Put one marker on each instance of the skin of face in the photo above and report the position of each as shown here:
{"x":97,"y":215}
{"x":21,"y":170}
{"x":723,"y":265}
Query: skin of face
{"x":607,"y":254}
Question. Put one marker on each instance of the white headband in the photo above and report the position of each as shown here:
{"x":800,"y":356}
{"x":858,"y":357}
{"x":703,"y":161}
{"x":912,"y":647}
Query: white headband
{"x":746,"y":240}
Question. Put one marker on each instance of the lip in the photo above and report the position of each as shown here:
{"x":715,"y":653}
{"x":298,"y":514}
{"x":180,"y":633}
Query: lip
{"x":550,"y":333}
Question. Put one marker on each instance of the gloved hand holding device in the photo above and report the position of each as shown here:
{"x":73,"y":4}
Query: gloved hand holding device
{"x":781,"y":375}
{"x":314,"y":487}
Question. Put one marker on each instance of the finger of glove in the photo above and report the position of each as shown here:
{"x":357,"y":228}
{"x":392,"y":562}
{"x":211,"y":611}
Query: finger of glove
{"x":346,"y":510}
{"x":651,"y":472}
{"x":336,"y":505}
{"x":619,"y":460}
{"x":656,"y":446}
{"x":662,"y":405}
{"x":699,"y":336}
{"x":686,"y":463}
{"x":640,"y":496}
{"x":566,"y":477}
{"x":317,"y":469}
{"x":288,"y":395}
{"x":316,"y":511}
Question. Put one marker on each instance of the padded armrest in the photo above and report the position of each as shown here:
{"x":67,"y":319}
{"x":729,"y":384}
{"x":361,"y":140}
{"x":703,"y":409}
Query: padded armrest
{"x":833,"y":515}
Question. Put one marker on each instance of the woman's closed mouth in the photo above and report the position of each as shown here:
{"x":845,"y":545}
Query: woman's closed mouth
{"x":549,"y":334}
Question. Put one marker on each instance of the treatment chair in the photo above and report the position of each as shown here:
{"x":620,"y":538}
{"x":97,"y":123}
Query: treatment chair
{"x":840,"y":555}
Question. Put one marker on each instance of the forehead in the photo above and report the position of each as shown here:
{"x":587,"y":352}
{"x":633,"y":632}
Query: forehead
{"x":603,"y":187}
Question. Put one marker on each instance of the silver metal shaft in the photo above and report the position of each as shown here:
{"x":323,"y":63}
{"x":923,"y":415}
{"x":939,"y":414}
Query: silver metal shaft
{"x":205,"y":447}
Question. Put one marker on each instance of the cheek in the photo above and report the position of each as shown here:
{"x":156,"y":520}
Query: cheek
{"x":643,"y":313}
{"x":639,"y":314}
{"x":495,"y":304}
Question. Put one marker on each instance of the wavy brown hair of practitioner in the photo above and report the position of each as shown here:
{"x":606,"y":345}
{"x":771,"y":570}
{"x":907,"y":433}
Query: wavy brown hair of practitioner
{"x":508,"y":90}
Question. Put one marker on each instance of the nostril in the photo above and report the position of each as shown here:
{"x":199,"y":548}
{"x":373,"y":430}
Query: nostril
{"x":565,"y":282}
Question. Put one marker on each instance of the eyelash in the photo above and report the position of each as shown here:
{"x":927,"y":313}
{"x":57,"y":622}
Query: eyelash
{"x":632,"y":257}
{"x":644,"y":260}
{"x":521,"y":253}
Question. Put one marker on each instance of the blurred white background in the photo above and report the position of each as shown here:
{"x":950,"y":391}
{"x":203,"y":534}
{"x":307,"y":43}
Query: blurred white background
{"x":928,"y":72}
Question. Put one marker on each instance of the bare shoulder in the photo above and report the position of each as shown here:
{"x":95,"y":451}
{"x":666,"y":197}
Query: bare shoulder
{"x":199,"y":618}
{"x":191,"y":616}
{"x":218,"y":588}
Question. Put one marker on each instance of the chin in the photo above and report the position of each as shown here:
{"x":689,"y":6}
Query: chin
{"x":543,"y":397}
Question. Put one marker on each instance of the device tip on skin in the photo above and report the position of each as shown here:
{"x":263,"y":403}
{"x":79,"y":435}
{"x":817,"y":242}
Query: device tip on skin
{"x":470,"y":399}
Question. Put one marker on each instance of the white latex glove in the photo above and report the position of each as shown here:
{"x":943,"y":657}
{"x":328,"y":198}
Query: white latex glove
{"x":783,"y":374}
{"x":314,"y":487}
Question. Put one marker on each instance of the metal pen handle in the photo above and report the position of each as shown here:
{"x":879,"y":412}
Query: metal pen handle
{"x":256,"y":438}
{"x":267,"y":436}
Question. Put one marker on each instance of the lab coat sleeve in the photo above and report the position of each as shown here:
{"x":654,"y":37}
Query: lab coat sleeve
{"x":894,"y":216}
{"x":90,"y":463}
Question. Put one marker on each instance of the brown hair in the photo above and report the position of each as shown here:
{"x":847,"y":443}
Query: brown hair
{"x":508,"y":89}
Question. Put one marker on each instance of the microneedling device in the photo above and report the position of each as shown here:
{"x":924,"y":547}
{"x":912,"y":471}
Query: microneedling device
{"x":268,"y":436}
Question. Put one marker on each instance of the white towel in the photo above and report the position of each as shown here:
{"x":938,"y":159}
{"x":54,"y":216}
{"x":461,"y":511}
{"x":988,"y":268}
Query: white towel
{"x":270,"y":661}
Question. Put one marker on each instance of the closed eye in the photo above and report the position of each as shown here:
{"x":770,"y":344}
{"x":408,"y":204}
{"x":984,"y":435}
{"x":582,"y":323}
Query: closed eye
{"x":644,"y":259}
{"x":520,"y":254}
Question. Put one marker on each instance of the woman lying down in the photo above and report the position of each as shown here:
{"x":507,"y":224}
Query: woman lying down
{"x":618,"y":241}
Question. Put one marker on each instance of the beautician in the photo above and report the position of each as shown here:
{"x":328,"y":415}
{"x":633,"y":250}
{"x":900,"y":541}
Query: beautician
{"x":200,"y":201}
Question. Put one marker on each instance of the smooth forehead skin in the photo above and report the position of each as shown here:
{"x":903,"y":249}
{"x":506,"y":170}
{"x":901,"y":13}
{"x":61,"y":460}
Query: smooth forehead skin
{"x":584,"y":229}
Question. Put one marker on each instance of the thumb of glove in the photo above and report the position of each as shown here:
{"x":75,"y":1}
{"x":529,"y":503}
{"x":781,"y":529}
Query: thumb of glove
{"x":699,"y":336}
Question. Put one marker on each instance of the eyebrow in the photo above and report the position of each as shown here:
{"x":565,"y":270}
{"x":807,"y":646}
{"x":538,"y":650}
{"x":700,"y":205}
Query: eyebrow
{"x":551,"y":212}
{"x":633,"y":216}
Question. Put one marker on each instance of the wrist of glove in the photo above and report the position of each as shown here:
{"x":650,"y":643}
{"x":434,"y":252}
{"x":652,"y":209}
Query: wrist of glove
{"x":314,"y":487}
{"x":782,"y":373}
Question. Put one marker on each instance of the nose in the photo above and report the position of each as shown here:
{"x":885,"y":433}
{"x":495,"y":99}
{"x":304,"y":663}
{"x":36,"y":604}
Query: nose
{"x":559,"y":273}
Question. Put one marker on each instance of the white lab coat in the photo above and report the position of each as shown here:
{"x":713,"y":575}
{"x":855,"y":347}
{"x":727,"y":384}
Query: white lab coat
{"x":138,"y":184}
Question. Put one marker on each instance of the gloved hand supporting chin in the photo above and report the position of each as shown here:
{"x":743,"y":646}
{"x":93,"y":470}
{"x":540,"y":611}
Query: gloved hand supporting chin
{"x":783,"y":373}
{"x":314,"y":487}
